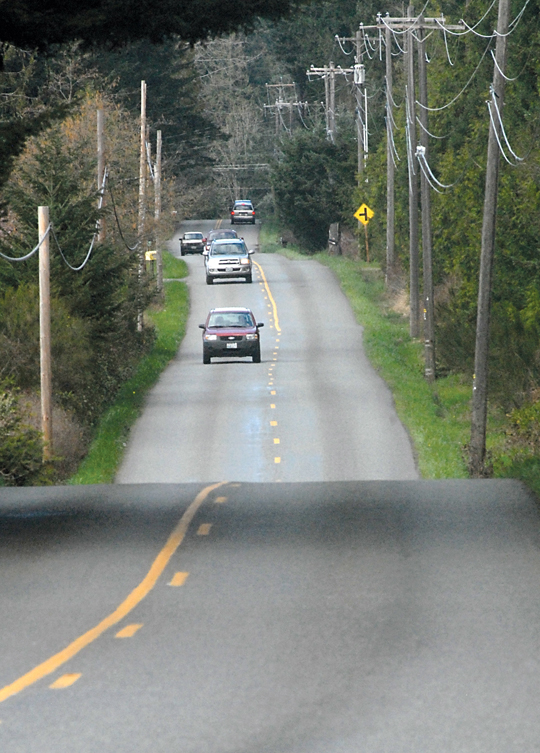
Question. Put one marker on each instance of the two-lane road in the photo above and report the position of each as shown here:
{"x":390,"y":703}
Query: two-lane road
{"x":356,"y":610}
{"x":313,"y":410}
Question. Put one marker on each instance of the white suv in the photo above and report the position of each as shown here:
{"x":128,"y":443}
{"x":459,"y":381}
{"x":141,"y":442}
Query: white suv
{"x":228,"y":258}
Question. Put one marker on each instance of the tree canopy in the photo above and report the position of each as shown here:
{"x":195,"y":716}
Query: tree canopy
{"x":113,"y":23}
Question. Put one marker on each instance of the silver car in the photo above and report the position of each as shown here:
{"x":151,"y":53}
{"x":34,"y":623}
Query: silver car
{"x":228,"y":258}
{"x":242,"y":211}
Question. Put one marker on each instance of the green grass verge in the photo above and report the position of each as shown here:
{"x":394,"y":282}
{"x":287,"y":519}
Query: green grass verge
{"x":105,"y":454}
{"x":437,"y":416}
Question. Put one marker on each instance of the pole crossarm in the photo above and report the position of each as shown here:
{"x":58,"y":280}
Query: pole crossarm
{"x":327,"y":69}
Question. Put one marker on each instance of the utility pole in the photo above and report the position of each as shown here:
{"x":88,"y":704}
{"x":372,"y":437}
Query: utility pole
{"x":157,"y":213}
{"x":414,"y":283}
{"x":101,"y":169}
{"x":142,"y":200}
{"x":390,"y":167}
{"x":45,"y":333}
{"x":477,"y":447}
{"x":429,"y":312}
{"x":328,"y":73}
{"x":282,"y":104}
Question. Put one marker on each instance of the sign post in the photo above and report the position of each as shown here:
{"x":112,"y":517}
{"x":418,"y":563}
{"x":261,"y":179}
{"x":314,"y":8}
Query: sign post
{"x":364,"y":214}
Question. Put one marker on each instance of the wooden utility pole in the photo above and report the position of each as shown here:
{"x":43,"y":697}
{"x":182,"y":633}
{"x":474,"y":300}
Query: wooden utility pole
{"x":390,"y":168}
{"x":414,"y":284}
{"x":329,"y":75}
{"x":477,"y":447}
{"x":101,"y":168}
{"x":427,"y":253}
{"x":142,"y":198}
{"x":157,"y":213}
{"x":45,"y":333}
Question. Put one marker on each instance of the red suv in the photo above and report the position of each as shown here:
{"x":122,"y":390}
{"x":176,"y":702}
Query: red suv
{"x":231,"y":332}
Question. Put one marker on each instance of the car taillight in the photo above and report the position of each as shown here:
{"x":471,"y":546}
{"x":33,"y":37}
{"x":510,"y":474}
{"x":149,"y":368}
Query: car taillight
{"x":253,"y":212}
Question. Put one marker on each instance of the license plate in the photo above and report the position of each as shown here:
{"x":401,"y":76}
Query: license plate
{"x":229,"y":269}
{"x":232,"y":345}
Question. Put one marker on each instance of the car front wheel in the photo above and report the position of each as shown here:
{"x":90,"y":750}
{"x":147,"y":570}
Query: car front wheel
{"x":182,"y":251}
{"x":249,"y":278}
{"x":205,"y":357}
{"x":257,"y":355}
{"x":209,"y":280}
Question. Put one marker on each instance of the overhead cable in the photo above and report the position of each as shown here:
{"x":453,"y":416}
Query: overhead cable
{"x":32,"y":252}
{"x":448,"y":104}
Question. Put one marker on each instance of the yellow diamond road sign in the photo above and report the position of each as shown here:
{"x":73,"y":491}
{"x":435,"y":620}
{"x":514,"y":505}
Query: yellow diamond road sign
{"x":364,"y":214}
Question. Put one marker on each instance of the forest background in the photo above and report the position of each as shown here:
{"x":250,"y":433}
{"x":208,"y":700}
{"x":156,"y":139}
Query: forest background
{"x":240,"y":117}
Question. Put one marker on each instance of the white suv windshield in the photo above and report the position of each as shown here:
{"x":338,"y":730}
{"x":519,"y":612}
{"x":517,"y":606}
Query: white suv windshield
{"x":229,"y":249}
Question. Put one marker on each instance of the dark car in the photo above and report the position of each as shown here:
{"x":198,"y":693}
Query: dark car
{"x":243,"y":211}
{"x":192,"y":243}
{"x":215,"y":235}
{"x":231,"y":332}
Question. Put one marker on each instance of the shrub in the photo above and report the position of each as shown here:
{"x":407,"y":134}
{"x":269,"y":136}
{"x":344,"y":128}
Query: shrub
{"x":21,"y":446}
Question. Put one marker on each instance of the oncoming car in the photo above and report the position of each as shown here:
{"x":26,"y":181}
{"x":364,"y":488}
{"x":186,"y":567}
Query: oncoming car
{"x":192,"y":243}
{"x":231,"y":332}
{"x":228,"y":258}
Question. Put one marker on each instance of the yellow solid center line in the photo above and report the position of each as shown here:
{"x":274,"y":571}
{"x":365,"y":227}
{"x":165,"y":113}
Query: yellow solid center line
{"x":65,"y":681}
{"x":204,"y":529}
{"x":270,"y":296}
{"x":128,"y":632}
{"x":178,"y":579}
{"x":129,"y":603}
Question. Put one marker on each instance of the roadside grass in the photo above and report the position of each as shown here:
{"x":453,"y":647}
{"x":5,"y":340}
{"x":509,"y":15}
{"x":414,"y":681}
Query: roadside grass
{"x":169,"y":319}
{"x":436,"y":416}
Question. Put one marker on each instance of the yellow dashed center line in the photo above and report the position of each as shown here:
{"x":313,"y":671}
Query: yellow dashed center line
{"x":65,"y":681}
{"x":128,"y":632}
{"x":130,"y":602}
{"x":220,"y":500}
{"x":204,"y":529}
{"x":273,"y":423}
{"x":276,"y":440}
{"x":277,"y":460}
{"x":178,"y":579}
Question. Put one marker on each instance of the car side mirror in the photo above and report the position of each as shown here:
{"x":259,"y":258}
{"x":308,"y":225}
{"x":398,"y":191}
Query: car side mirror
{"x":251,"y":251}
{"x":202,"y":326}
{"x":260,"y":324}
{"x":205,"y":252}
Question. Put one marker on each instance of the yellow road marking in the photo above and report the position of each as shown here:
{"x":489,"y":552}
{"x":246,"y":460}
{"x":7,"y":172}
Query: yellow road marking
{"x":272,"y":406}
{"x":128,"y":632}
{"x":130,"y":602}
{"x":179,"y":579}
{"x":277,"y":460}
{"x":204,"y":529}
{"x":276,"y":440}
{"x":220,"y":500}
{"x":274,"y":307}
{"x":65,"y":681}
{"x":272,"y":392}
{"x":273,"y":423}
{"x":234,"y":486}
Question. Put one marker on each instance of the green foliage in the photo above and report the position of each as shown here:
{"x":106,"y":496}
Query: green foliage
{"x":95,"y":337}
{"x":21,"y":447}
{"x":105,"y":454}
{"x":309,"y":185}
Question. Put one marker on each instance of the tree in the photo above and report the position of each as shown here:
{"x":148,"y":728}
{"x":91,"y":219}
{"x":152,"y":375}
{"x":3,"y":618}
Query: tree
{"x":311,"y":184}
{"x":38,"y":24}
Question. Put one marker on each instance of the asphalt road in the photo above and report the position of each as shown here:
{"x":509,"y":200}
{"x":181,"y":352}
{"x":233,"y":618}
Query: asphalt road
{"x":313,"y":410}
{"x":350,"y":608}
{"x":372,"y":617}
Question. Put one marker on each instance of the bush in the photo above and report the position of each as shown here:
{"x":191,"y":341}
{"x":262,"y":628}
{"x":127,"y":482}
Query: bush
{"x":21,"y":446}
